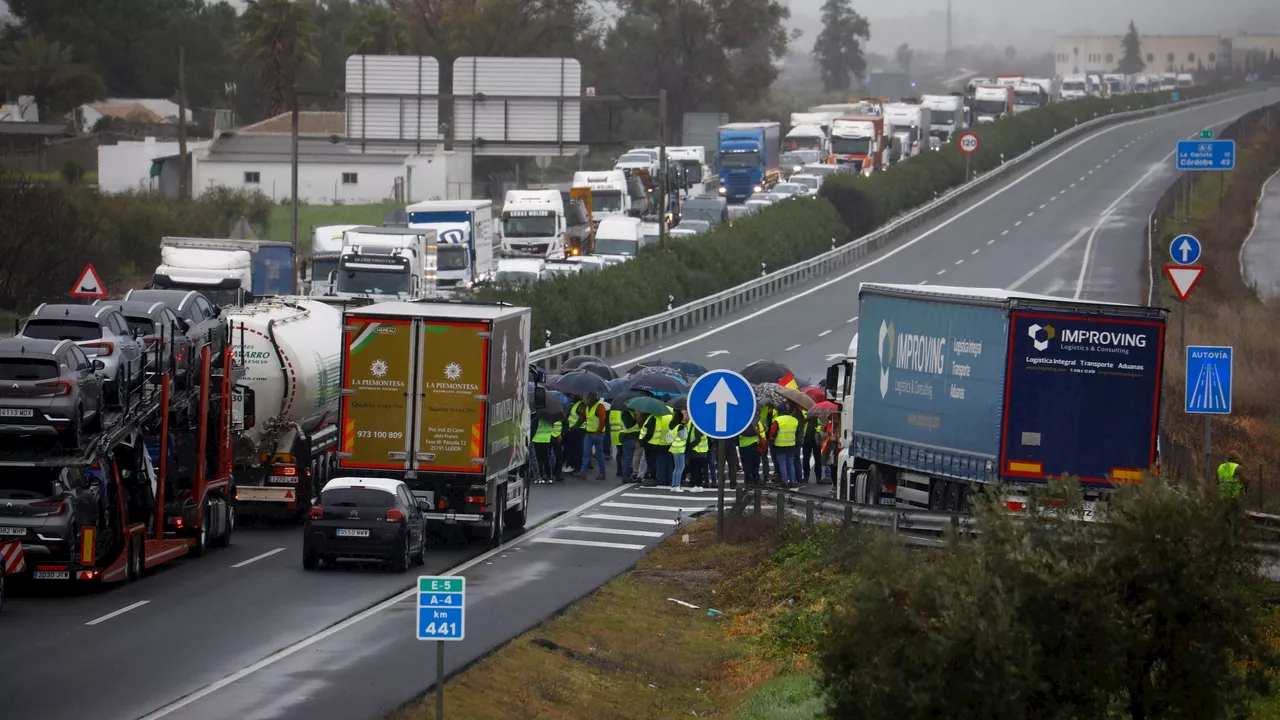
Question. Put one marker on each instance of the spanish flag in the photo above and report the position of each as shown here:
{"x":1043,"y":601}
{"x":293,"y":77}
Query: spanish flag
{"x":789,"y":380}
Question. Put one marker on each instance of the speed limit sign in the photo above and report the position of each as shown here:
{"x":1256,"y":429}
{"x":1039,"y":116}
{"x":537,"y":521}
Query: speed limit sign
{"x":968,"y":143}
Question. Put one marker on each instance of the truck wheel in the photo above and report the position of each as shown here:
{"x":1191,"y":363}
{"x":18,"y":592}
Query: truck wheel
{"x":132,"y":555}
{"x":497,"y":528}
{"x":201,"y":547}
{"x":228,"y":524}
{"x":873,"y":486}
{"x":516,"y":518}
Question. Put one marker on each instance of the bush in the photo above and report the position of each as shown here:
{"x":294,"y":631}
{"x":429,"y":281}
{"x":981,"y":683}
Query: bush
{"x":1154,"y":614}
{"x":866,"y":203}
{"x":688,"y":269}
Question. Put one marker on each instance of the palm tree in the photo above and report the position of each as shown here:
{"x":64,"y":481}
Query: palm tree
{"x":32,"y":65}
{"x":280,"y":40}
{"x":379,"y":31}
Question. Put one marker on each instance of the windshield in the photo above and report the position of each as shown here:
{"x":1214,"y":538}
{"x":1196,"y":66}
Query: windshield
{"x":217,"y":296}
{"x":141,"y":323}
{"x":27,"y":369}
{"x":452,"y":257}
{"x":320,"y":268}
{"x":809,"y":182}
{"x":28,"y":483}
{"x":392,"y":281}
{"x":616,"y":246}
{"x":357,"y":497}
{"x":850,"y":146}
{"x":821,"y":169}
{"x":804,"y":143}
{"x":635,"y":158}
{"x":789,"y":188}
{"x":62,"y":330}
{"x":606,"y":201}
{"x":1073,"y":86}
{"x":517,"y":277}
{"x":692,"y":171}
{"x":1027,"y":98}
{"x":747,"y":159}
{"x":990,"y":107}
{"x":528,"y":226}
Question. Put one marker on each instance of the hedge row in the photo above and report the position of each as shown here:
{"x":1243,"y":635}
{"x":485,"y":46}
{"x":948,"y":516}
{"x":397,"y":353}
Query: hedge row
{"x":688,"y":269}
{"x":866,"y":203}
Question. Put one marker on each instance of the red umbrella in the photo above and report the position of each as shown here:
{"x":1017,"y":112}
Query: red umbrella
{"x":818,"y":394}
{"x":824,"y":409}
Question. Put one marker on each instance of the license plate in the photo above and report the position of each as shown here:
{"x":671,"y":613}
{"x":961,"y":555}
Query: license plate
{"x":344,"y":532}
{"x":1090,"y":510}
{"x":282,"y":479}
{"x":14,"y":413}
{"x":428,"y":495}
{"x":887,"y":501}
{"x":12,"y":531}
{"x":52,"y":575}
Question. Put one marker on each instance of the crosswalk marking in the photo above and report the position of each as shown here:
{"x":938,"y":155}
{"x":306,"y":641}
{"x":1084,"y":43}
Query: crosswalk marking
{"x":587,"y":543}
{"x":668,"y":508}
{"x":649,"y":496}
{"x":613,"y":531}
{"x":628,"y":518}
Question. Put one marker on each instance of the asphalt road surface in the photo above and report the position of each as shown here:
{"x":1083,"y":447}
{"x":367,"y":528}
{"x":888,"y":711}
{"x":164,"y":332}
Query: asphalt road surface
{"x":1070,"y":226}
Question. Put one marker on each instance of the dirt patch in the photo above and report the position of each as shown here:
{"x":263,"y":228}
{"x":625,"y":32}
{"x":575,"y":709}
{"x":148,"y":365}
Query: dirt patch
{"x":688,"y":579}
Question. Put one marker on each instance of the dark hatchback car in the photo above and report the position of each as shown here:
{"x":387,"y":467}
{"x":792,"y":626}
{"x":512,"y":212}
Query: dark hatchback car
{"x":201,"y":317}
{"x":162,"y":333}
{"x":365,"y":519}
{"x":49,"y":388}
{"x":45,"y":508}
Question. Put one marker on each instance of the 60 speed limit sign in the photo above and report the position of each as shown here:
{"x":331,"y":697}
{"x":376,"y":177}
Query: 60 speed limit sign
{"x":968,"y":143}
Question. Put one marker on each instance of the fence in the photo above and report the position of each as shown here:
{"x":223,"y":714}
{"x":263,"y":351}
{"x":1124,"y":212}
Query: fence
{"x":698,"y":313}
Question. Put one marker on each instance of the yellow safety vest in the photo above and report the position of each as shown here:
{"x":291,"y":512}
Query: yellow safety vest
{"x":593,"y":419}
{"x":573,"y":414}
{"x":615,"y":427}
{"x":661,"y":430}
{"x":546,"y":432}
{"x":1228,"y":484}
{"x":749,"y":440}
{"x":703,"y":444}
{"x":787,"y":426}
{"x":681,"y":438}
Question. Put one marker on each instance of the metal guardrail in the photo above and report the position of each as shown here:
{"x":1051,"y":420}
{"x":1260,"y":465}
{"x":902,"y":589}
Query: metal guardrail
{"x":698,"y":313}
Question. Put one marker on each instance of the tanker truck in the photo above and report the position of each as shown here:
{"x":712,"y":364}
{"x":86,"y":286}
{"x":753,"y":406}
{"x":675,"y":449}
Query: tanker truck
{"x":285,"y":409}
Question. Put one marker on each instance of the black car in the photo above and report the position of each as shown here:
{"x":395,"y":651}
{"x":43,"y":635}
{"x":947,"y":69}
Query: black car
{"x":365,"y":519}
{"x":202,"y":319}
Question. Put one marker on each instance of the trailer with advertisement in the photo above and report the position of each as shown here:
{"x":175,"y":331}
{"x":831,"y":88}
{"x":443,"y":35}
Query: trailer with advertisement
{"x":435,"y":394}
{"x":960,"y":387}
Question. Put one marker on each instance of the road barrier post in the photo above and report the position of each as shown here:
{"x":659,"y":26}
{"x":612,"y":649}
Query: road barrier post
{"x":722,"y":479}
{"x":439,"y":680}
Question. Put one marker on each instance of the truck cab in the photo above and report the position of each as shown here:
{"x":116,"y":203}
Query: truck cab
{"x":1074,"y":87}
{"x":808,"y":137}
{"x":912,"y":120}
{"x":326,"y":250}
{"x":534,"y":223}
{"x":386,"y":263}
{"x":619,"y":238}
{"x":992,"y":102}
{"x":859,"y":142}
{"x":609,"y":193}
{"x":1116,"y":84}
{"x":946,"y":115}
{"x":695,"y":177}
{"x":1028,"y":96}
{"x":747,"y":159}
{"x":227,"y":271}
{"x":465,"y":237}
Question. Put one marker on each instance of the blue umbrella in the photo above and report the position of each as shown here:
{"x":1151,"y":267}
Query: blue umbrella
{"x":661,"y":385}
{"x":689,"y":368}
{"x":617,"y":387}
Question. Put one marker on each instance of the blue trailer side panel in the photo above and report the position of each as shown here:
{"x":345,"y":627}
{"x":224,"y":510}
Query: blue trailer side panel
{"x":1083,"y":396}
{"x":772,"y":146}
{"x":929,"y":385}
{"x":273,"y":271}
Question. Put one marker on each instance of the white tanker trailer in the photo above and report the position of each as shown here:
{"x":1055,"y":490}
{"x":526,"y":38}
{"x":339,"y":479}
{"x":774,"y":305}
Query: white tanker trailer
{"x":286,"y":406}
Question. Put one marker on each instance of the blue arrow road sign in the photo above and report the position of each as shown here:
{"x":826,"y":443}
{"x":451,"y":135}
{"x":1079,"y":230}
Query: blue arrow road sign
{"x":1209,"y":380}
{"x":1185,"y":249}
{"x":1206,"y":154}
{"x":722,"y":404}
{"x":442,"y":606}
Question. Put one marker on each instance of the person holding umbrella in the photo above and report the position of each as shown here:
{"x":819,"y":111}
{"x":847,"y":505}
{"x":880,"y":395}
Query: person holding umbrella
{"x":699,"y":446}
{"x":655,"y":436}
{"x":679,"y":443}
{"x":623,"y":430}
{"x":749,"y":451}
{"x":594,"y":423}
{"x":811,"y":455}
{"x":782,"y":437}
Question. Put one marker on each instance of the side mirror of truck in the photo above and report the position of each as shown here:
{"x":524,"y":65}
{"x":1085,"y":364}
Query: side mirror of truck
{"x":832,"y":382}
{"x":539,"y":397}
{"x":247,"y":409}
{"x":424,"y":506}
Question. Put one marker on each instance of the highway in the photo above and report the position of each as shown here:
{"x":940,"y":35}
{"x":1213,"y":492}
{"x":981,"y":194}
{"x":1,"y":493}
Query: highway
{"x":1069,"y":226}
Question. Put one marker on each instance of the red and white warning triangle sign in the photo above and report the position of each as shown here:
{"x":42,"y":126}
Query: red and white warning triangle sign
{"x":1183,"y":278}
{"x":89,"y":285}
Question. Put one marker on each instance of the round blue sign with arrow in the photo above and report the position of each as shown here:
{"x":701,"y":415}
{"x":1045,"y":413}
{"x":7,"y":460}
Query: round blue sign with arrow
{"x":722,"y":404}
{"x":1185,"y":249}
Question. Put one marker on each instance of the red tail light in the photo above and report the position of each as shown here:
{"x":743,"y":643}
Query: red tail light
{"x":59,"y":387}
{"x":315,"y":513}
{"x":394,"y":515}
{"x":152,"y":340}
{"x":50,"y":507}
{"x":286,"y":470}
{"x":102,"y":349}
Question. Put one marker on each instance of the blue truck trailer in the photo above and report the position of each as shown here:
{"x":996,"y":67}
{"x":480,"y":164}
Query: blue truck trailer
{"x":747,"y":159}
{"x":965,"y":386}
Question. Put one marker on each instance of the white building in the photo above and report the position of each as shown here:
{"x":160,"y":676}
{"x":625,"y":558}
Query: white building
{"x":1162,"y":53}
{"x":147,"y":111}
{"x":22,"y":110}
{"x":139,"y":165}
{"x":258,"y":157}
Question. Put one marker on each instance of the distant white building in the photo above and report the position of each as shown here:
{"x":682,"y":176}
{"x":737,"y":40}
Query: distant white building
{"x":23,"y":110}
{"x":1162,"y":53}
{"x":141,"y":165}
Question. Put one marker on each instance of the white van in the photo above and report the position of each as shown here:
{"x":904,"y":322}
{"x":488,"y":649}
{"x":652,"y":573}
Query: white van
{"x":619,"y":238}
{"x":533,"y":223}
{"x":519,"y":271}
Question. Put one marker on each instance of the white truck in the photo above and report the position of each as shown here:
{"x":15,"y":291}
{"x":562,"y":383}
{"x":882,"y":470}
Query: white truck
{"x":1096,"y":87}
{"x":533,"y":223}
{"x":859,"y":142}
{"x":227,"y":271}
{"x":609,"y":192}
{"x":946,"y":115}
{"x":1074,"y":87}
{"x":380,"y":263}
{"x":913,"y":122}
{"x":696,"y":174}
{"x":285,"y":408}
{"x":1185,"y":80}
{"x":1028,"y":96}
{"x":992,"y":102}
{"x":1116,"y":84}
{"x":809,"y":136}
{"x":326,"y":249}
{"x":466,"y":241}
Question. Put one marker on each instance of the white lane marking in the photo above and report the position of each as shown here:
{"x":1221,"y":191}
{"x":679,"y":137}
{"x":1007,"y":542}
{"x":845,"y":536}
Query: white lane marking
{"x":1090,"y":172}
{"x":989,"y":242}
{"x":1043,"y":205}
{"x":1045,"y":263}
{"x":923,"y":282}
{"x":1081,"y":178}
{"x":589,"y":543}
{"x":121,"y":611}
{"x":1073,"y":184}
{"x":332,"y":630}
{"x":666,"y":508}
{"x":714,"y":353}
{"x":793,"y":347}
{"x":1055,"y":197}
{"x":976,"y":251}
{"x":628,"y":518}
{"x":1004,"y":232}
{"x":612,"y":531}
{"x":835,"y":356}
{"x":894,"y":251}
{"x":824,"y":333}
{"x":1031,"y":214}
{"x":942,"y":272}
{"x":651,"y":496}
{"x":853,"y":319}
{"x":961,"y":260}
{"x":1099,"y":167}
{"x":256,"y":558}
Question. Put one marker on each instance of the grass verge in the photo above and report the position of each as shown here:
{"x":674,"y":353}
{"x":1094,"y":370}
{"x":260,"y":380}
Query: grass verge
{"x":314,"y":216}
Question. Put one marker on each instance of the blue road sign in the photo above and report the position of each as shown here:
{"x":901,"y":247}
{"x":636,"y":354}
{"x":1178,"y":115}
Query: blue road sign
{"x":722,"y":404}
{"x":1209,"y":380}
{"x":1185,"y":249}
{"x":442,"y":603}
{"x":1206,"y":154}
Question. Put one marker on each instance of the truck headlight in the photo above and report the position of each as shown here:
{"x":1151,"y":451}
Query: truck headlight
{"x":756,"y":189}
{"x":795,"y":168}
{"x":722,"y":190}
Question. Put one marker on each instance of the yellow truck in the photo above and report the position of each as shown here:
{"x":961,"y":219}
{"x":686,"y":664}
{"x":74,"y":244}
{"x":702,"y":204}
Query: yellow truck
{"x":436,"y":394}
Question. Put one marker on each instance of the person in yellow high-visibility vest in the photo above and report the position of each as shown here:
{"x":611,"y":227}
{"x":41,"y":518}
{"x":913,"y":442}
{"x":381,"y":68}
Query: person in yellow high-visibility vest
{"x":594,"y":425}
{"x":783,"y":434}
{"x":699,"y":447}
{"x":655,"y":435}
{"x":749,"y":452}
{"x":1231,"y":482}
{"x":623,"y":431}
{"x":544,"y":448}
{"x":679,"y":443}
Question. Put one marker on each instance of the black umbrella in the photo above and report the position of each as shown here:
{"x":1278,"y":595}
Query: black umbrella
{"x":680,"y":403}
{"x":621,"y":399}
{"x":765,"y":371}
{"x":617,"y":387}
{"x":553,"y":410}
{"x":576,"y":361}
{"x":600,"y":369}
{"x":661,"y":385}
{"x":579,"y":382}
{"x":642,"y":365}
{"x":663,"y":370}
{"x":690,"y":369}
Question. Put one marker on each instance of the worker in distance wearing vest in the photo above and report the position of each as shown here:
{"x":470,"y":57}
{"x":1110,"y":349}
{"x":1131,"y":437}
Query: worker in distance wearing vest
{"x":594,"y":424}
{"x":545,"y":438}
{"x":655,"y":437}
{"x":782,"y":438}
{"x":698,"y":456}
{"x":679,"y":443}
{"x":623,"y":431}
{"x":1231,"y":482}
{"x":749,"y":453}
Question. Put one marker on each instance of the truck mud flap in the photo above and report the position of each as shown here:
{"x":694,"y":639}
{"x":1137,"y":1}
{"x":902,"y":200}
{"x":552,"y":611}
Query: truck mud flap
{"x":12,"y":560}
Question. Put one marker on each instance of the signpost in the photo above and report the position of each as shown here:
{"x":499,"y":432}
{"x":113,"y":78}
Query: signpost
{"x":1208,"y":389}
{"x":968,"y":144}
{"x":1206,"y":134}
{"x":89,"y":285}
{"x":1183,"y":274}
{"x":1197,"y":155}
{"x":722,"y":404}
{"x":442,"y":603}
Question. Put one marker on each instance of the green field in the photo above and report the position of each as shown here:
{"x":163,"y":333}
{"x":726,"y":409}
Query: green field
{"x":313,"y":216}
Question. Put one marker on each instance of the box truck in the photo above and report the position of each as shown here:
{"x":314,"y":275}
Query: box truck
{"x":436,"y":394}
{"x":227,"y":271}
{"x":960,"y":387}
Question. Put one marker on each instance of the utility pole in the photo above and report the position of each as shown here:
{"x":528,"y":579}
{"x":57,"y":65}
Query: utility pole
{"x":184,"y":167}
{"x":293,"y":172}
{"x":947,"y":58}
{"x":662,"y":168}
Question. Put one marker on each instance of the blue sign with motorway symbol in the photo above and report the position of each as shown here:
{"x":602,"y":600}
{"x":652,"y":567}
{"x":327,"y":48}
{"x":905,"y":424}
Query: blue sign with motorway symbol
{"x":1206,"y":154}
{"x":1209,"y":380}
{"x":442,"y":608}
{"x":722,"y":404}
{"x":1185,"y":249}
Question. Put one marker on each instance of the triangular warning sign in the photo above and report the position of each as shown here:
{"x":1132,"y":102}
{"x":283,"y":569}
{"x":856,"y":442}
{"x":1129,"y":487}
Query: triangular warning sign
{"x":1184,"y":278}
{"x":89,"y":285}
{"x":288,"y":495}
